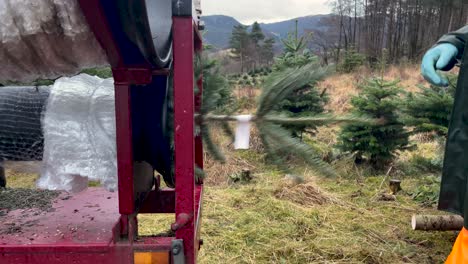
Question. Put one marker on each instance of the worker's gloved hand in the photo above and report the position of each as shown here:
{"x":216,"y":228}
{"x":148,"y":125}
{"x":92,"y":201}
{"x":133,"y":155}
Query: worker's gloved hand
{"x":441,"y":57}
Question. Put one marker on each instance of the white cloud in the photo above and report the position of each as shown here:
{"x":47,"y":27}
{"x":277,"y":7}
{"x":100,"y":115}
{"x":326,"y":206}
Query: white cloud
{"x":248,"y":11}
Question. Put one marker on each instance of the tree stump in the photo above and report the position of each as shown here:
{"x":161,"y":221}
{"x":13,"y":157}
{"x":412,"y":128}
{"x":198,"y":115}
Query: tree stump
{"x":395,"y":186}
{"x":246,"y":175}
{"x":437,"y":222}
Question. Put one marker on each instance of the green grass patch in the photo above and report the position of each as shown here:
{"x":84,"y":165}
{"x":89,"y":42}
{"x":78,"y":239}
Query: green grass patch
{"x":250,"y":225}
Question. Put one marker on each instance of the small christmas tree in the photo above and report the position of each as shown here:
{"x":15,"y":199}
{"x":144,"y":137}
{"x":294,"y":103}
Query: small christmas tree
{"x":351,"y":61}
{"x":276,"y":140}
{"x":276,"y":87}
{"x":429,"y":110}
{"x":306,"y":100}
{"x":376,"y":143}
{"x":217,"y":98}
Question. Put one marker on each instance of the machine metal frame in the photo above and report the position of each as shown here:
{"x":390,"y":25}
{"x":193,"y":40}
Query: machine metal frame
{"x":119,"y":241}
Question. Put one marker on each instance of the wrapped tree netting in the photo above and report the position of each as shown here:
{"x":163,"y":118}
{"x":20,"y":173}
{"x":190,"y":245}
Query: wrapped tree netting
{"x":79,"y":134}
{"x":69,"y":127}
{"x":21,"y":109}
{"x":45,"y":39}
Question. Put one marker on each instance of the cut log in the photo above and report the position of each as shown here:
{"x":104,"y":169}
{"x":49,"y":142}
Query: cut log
{"x":437,"y":222}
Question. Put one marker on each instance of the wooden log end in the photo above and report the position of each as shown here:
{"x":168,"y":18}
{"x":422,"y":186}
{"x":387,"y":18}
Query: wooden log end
{"x":413,"y":222}
{"x":437,"y":222}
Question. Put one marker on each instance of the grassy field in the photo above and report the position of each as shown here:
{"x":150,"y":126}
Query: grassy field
{"x":275,"y":218}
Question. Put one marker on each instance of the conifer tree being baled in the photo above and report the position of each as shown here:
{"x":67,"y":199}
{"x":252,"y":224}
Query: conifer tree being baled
{"x":306,"y":100}
{"x":375,"y":143}
{"x":216,"y":99}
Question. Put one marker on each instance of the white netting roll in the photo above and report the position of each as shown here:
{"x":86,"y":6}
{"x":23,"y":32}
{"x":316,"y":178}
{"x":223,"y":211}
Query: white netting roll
{"x":79,"y":134}
{"x":45,"y":39}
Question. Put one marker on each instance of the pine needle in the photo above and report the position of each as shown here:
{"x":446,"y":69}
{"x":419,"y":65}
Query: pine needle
{"x":276,"y":140}
{"x":211,"y":147}
{"x":199,"y":174}
{"x":281,"y":84}
{"x":293,"y":146}
{"x":319,"y":120}
{"x":271,"y":149}
{"x":228,"y":131}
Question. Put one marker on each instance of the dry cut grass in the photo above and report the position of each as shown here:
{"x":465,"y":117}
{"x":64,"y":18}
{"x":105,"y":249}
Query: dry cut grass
{"x":341,"y":87}
{"x":266,"y":222}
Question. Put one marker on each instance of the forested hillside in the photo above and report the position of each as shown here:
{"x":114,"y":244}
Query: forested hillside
{"x":219,"y":28}
{"x":406,"y":28}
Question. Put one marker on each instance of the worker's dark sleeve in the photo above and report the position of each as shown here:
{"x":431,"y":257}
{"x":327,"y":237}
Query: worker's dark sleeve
{"x":458,"y":38}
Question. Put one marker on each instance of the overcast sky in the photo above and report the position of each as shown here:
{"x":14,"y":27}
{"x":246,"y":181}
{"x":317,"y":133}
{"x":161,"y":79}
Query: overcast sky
{"x":248,"y":11}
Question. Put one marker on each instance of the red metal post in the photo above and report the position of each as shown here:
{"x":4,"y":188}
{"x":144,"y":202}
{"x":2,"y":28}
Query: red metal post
{"x":124,"y":149}
{"x":183,"y":46}
{"x":123,"y":79}
{"x":198,"y":146}
{"x":198,"y":104}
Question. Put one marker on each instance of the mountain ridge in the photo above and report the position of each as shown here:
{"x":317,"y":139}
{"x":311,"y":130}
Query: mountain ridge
{"x":218,"y":28}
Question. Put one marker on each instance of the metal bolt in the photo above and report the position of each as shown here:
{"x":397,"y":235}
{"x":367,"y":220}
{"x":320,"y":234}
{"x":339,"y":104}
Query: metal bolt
{"x":181,"y":221}
{"x":176,"y":249}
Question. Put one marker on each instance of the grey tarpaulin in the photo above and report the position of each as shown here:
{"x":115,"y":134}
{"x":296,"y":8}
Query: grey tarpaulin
{"x":45,"y":39}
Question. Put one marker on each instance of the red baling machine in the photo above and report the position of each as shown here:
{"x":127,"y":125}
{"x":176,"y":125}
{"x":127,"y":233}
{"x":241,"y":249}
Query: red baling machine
{"x":146,"y":42}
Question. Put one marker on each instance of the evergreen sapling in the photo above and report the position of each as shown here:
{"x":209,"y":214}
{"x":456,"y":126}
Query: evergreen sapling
{"x":429,"y":110}
{"x":376,"y":143}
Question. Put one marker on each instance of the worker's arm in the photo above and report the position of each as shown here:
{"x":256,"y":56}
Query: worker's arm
{"x":444,"y":56}
{"x":457,"y":38}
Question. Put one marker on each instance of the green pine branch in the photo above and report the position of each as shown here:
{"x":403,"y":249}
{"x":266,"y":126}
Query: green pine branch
{"x":292,"y":146}
{"x":277,"y":141}
{"x":281,"y":84}
{"x":324,"y":119}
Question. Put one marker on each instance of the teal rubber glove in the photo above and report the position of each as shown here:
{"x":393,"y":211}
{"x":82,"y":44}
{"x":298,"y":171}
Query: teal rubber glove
{"x":441,"y":57}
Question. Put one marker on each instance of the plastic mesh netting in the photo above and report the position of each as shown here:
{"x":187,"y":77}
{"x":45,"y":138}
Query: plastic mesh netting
{"x":21,"y":108}
{"x":69,"y":127}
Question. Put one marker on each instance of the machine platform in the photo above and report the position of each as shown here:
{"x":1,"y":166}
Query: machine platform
{"x":88,"y":217}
